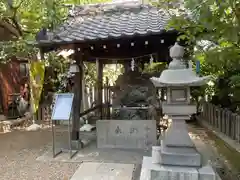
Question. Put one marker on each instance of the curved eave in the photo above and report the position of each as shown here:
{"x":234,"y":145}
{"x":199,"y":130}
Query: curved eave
{"x":198,"y":82}
{"x":67,"y":41}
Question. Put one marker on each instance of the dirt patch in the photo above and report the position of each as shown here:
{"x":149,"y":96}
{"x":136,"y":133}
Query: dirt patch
{"x":230,"y":157}
{"x":224,"y":159}
{"x":18,"y":153}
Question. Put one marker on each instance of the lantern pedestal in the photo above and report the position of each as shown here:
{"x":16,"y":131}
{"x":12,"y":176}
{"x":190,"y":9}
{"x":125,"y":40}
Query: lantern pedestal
{"x":177,"y":149}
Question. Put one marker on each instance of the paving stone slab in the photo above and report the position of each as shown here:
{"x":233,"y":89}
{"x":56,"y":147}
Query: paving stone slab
{"x":90,"y":153}
{"x":104,"y":171}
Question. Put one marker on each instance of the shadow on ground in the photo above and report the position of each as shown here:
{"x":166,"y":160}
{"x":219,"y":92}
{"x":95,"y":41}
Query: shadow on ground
{"x":224,"y":159}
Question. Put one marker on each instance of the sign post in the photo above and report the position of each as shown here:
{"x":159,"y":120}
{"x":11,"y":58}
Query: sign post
{"x":62,"y":111}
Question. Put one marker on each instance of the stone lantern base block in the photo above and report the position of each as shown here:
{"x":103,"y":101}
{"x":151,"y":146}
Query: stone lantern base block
{"x":180,"y":156}
{"x":180,"y":159}
{"x":207,"y":173}
{"x":152,"y":171}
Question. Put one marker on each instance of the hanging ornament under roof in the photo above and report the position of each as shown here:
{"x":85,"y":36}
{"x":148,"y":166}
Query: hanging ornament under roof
{"x":132,"y":64}
{"x":151,"y":59}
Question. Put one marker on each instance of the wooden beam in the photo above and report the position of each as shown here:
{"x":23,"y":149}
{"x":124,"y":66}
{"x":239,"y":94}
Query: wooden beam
{"x":77,"y":90}
{"x":99,"y":65}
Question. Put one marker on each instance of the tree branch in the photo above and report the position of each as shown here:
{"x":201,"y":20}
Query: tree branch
{"x":17,"y":26}
{"x":14,"y":17}
{"x":9,"y":28}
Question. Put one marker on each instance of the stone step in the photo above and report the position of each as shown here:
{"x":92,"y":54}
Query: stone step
{"x":152,"y":171}
{"x":207,"y":173}
{"x":161,"y":172}
{"x":180,"y":157}
{"x":178,"y":149}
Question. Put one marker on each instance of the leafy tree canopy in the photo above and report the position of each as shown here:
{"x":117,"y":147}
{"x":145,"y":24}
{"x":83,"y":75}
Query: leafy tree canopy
{"x":217,"y":23}
{"x":24,"y":18}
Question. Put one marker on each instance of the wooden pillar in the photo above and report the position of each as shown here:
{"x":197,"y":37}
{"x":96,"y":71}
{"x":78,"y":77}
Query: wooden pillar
{"x":77,"y":90}
{"x":41,"y":54}
{"x":99,"y":65}
{"x":142,"y":63}
{"x":127,"y":66}
{"x":162,"y":94}
{"x":108,"y":98}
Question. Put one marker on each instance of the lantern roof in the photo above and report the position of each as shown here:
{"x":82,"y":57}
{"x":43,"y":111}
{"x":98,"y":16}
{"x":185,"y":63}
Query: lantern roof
{"x":179,"y":77}
{"x":177,"y":73}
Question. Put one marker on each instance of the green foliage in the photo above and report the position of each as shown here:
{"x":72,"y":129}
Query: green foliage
{"x":112,"y":71}
{"x":154,"y":67}
{"x":56,"y":73}
{"x":215,"y":21}
{"x":18,"y":48}
{"x":23,"y":19}
{"x":90,"y":74}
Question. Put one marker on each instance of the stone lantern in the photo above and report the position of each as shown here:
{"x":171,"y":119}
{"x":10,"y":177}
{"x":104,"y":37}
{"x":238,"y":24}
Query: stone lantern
{"x":177,"y":158}
{"x":178,"y":79}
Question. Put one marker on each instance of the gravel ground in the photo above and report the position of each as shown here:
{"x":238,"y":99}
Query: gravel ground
{"x":19,"y":150}
{"x":18,"y":153}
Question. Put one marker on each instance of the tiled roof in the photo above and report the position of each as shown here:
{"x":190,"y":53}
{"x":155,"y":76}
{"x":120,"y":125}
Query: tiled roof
{"x":112,"y":20}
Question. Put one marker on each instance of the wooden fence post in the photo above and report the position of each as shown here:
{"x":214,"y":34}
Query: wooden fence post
{"x":206,"y":116}
{"x":227,"y":123}
{"x":214,"y":116}
{"x":211,"y":114}
{"x":206,"y":111}
{"x":222,"y":119}
{"x":219,"y":119}
{"x":238,"y":128}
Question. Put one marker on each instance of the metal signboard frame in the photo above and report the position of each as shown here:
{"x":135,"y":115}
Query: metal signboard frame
{"x":62,"y":111}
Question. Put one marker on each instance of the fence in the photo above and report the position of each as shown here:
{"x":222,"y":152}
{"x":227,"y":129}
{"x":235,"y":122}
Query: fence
{"x":89,"y":100}
{"x":222,"y":120}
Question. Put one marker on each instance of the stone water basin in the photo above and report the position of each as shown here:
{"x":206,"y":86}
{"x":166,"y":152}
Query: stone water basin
{"x":131,"y":113}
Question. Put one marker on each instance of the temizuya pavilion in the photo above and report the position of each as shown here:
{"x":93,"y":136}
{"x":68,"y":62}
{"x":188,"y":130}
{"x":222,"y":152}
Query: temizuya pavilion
{"x":102,"y":32}
{"x":177,"y":157}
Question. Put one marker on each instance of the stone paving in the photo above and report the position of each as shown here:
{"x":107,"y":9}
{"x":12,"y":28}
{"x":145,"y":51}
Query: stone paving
{"x":104,"y":171}
{"x":90,"y":153}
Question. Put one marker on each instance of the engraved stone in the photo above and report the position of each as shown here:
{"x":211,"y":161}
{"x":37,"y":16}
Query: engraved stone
{"x":125,"y":134}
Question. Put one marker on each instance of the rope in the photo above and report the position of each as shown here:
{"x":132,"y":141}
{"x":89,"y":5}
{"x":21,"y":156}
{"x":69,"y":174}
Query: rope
{"x":136,"y":57}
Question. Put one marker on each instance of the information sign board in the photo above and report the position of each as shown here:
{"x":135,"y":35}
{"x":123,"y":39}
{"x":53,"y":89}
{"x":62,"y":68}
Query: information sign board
{"x":62,"y":106}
